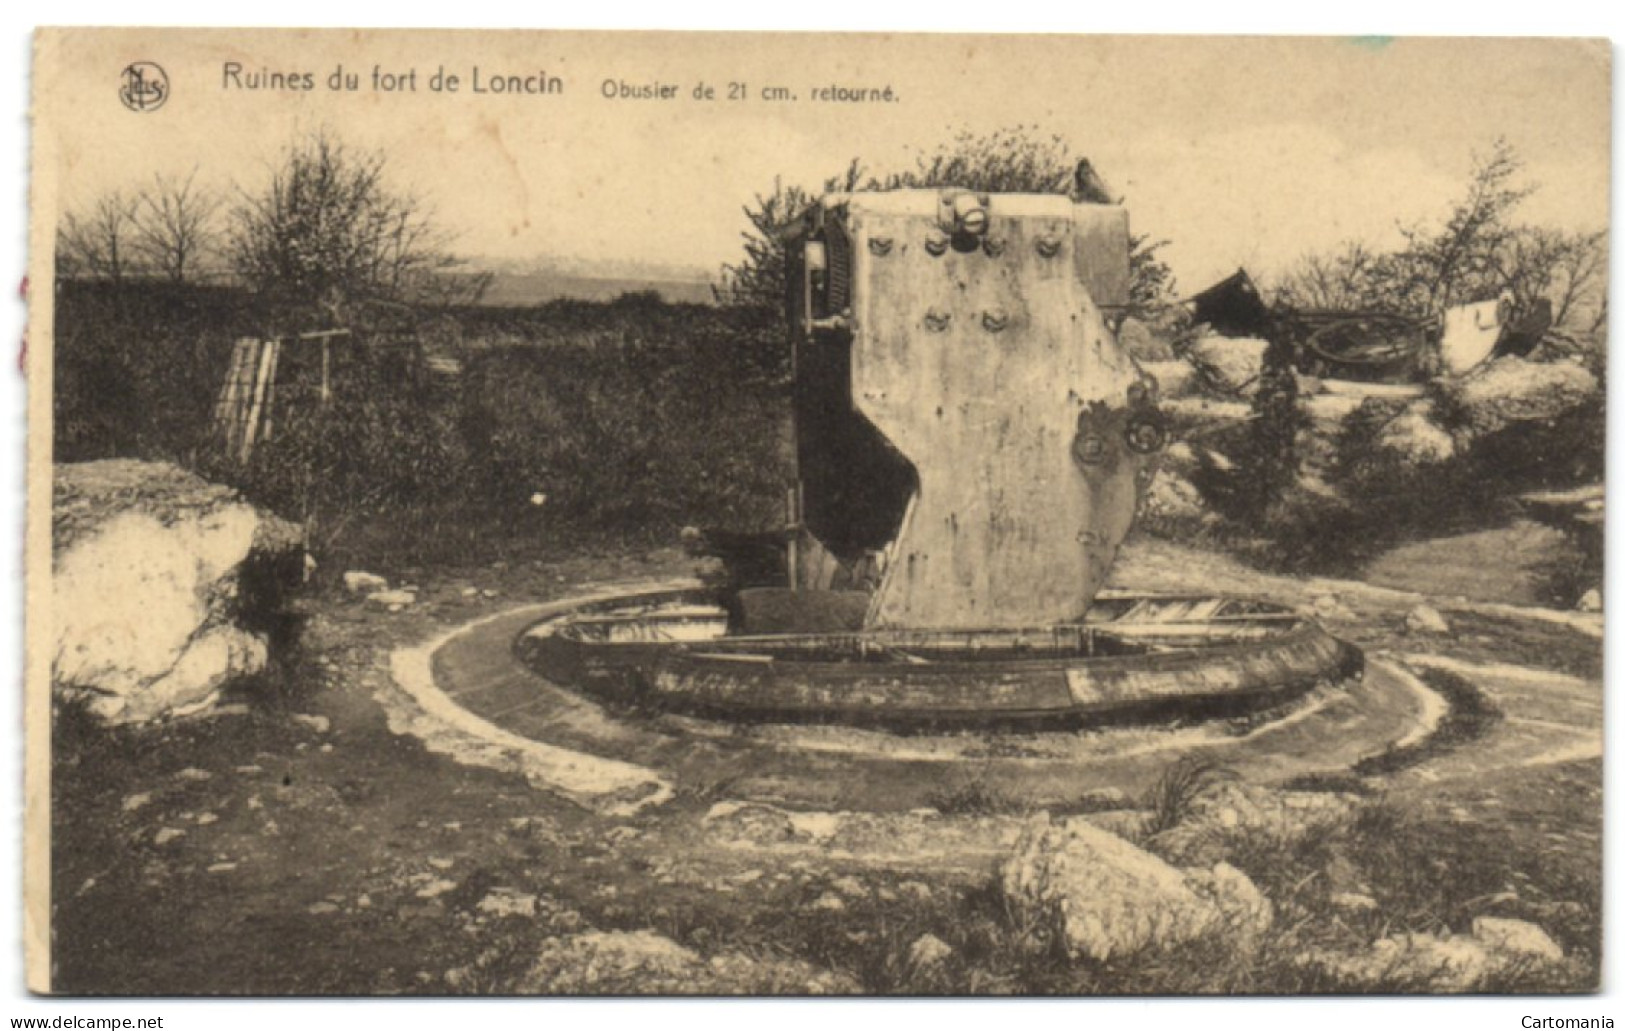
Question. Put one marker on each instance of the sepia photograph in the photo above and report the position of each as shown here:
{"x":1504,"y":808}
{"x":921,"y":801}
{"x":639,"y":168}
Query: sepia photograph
{"x":772,"y":514}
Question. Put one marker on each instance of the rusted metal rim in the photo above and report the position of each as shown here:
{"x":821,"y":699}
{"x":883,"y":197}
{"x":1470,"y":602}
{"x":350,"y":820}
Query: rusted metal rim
{"x":1133,"y":659}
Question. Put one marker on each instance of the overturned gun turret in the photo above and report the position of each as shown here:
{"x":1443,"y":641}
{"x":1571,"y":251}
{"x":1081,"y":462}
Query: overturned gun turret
{"x":971,"y":446}
{"x":971,"y":440}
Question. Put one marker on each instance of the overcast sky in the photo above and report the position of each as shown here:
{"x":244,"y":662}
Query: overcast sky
{"x":1242,"y":151}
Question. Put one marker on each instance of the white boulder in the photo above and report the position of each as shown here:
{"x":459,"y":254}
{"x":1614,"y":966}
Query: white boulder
{"x":1509,"y":937}
{"x":1232,"y":365}
{"x":1425,"y":619}
{"x":1108,"y":898}
{"x":1415,"y":437}
{"x":1512,"y":390}
{"x":145,"y":569}
{"x":1171,"y":496}
{"x":359,"y":581}
{"x":1441,"y":963}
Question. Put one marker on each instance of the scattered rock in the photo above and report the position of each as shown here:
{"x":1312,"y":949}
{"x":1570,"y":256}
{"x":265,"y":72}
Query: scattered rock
{"x":321,"y":909}
{"x":829,"y":902}
{"x":204,"y":819}
{"x":358,"y":581}
{"x":749,"y":822}
{"x":1109,"y":898}
{"x":221,"y":868}
{"x":136,"y":801}
{"x":1516,"y":938}
{"x":442,"y":864}
{"x":1171,"y":496}
{"x":1425,"y":619}
{"x":1352,"y":902}
{"x":620,"y":835}
{"x":928,"y":951}
{"x":393,"y":600}
{"x":1590,"y":601}
{"x":1414,"y":437}
{"x":435,"y":889}
{"x":193,"y":774}
{"x":167,"y":834}
{"x":1180,"y":457}
{"x":746,"y":975}
{"x":1233,"y":806}
{"x":916,"y":890}
{"x":1410,"y":962}
{"x":851,"y":887}
{"x":1104,"y":798}
{"x":815,"y":826}
{"x":1216,"y":460}
{"x":1449,"y":963}
{"x":1331,"y":607}
{"x":646,"y":963}
{"x":320,"y":724}
{"x":507,"y":902}
{"x":586,"y":962}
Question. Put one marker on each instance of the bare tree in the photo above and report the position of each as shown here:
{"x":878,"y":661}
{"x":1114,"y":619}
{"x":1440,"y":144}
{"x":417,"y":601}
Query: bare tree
{"x":1345,"y":280}
{"x":329,"y":231}
{"x":175,"y":225}
{"x":1477,"y":252}
{"x":1456,"y":262}
{"x":758,"y":280}
{"x":101,"y":241}
{"x":1570,"y":269}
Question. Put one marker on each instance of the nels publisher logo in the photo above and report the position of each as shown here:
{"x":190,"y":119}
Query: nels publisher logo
{"x":143,"y":86}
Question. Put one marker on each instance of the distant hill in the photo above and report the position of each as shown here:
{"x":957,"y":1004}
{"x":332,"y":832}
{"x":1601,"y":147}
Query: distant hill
{"x":521,"y":289}
{"x":520,"y":282}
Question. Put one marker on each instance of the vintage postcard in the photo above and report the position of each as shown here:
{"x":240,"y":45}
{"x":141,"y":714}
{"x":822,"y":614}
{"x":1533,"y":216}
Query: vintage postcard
{"x":590,"y":513}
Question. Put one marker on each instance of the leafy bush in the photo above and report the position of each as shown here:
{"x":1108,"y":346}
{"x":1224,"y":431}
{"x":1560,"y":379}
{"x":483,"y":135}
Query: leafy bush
{"x":1018,"y":159}
{"x":137,"y":366}
{"x":662,"y":420}
{"x":632,"y":417}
